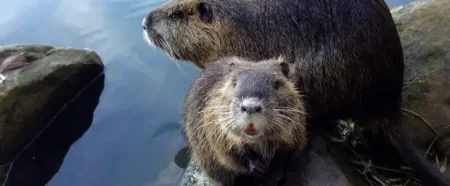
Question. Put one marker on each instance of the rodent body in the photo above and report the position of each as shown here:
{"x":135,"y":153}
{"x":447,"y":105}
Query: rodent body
{"x":238,"y":114}
{"x":347,"y":55}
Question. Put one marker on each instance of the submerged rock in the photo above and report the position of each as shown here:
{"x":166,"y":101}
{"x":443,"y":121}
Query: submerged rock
{"x":424,"y":28}
{"x":34,"y":93}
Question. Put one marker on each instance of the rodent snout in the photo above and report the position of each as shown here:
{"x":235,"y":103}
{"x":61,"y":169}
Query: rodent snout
{"x":251,"y":106}
{"x":149,"y":20}
{"x":251,"y":109}
{"x":144,"y":21}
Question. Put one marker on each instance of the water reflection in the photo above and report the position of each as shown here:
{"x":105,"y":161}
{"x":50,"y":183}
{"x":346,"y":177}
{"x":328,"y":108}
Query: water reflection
{"x":38,"y":163}
{"x":133,"y":139}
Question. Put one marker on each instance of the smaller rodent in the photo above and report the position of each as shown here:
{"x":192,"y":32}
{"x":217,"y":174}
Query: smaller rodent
{"x":238,"y":114}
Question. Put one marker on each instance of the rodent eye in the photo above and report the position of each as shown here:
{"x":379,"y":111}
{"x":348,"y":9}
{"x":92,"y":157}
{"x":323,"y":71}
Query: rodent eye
{"x":205,"y":12}
{"x":276,"y":85}
{"x":176,"y":14}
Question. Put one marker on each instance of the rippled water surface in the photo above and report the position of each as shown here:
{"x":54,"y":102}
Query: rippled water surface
{"x":135,"y":133}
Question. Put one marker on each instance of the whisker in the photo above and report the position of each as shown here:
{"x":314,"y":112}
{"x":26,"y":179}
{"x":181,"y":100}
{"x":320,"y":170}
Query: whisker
{"x":289,"y":110}
{"x":285,"y":117}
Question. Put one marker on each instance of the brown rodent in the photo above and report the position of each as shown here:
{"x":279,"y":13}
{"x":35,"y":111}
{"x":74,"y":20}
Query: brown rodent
{"x":347,"y":55}
{"x":238,"y":114}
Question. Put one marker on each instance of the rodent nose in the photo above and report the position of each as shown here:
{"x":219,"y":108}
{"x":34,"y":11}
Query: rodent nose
{"x":151,"y":18}
{"x":144,"y":22}
{"x":251,"y":109}
{"x":148,"y":20}
{"x":251,"y":106}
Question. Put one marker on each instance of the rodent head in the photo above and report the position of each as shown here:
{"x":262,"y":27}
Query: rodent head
{"x":194,"y":20}
{"x":257,"y":100}
{"x":200,"y":30}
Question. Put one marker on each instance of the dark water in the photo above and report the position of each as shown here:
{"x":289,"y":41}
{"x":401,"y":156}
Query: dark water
{"x":135,"y":133}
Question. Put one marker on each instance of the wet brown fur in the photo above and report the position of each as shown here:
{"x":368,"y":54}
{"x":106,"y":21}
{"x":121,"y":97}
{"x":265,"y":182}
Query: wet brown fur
{"x":213,"y":147}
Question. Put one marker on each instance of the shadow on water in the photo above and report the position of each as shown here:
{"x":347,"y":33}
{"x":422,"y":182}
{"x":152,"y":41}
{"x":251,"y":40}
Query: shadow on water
{"x":43,"y":158}
{"x":171,"y":126}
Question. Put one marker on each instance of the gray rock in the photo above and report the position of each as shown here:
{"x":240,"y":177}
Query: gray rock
{"x":323,"y":167}
{"x":42,"y":159}
{"x":33,"y":94}
{"x":193,"y":176}
{"x":424,"y":28}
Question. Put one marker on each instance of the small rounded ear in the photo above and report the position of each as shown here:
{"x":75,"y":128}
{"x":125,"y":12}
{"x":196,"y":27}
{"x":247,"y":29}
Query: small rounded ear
{"x":205,"y":12}
{"x":285,"y":68}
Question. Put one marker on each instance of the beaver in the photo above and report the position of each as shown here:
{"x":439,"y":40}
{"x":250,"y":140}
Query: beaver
{"x":347,"y":57}
{"x":239,"y":114}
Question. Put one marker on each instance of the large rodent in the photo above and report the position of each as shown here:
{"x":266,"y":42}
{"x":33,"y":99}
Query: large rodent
{"x":347,"y":55}
{"x":238,"y":114}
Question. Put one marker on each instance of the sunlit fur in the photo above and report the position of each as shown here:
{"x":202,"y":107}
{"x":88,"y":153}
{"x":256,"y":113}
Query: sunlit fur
{"x":209,"y":120}
{"x":194,"y":47}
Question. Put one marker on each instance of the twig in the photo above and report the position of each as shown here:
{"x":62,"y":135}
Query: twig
{"x":378,"y":180}
{"x":337,"y":140}
{"x":382,"y":168}
{"x":393,"y":180}
{"x":367,"y":179}
{"x":367,"y":167}
{"x":406,"y":182}
{"x":407,"y":168}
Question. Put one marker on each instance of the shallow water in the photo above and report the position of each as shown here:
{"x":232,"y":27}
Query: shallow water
{"x":135,"y":132}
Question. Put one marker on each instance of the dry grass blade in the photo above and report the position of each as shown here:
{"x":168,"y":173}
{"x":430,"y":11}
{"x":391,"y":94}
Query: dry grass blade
{"x":393,"y":180}
{"x":381,"y":168}
{"x":431,"y":145}
{"x":419,"y":116}
{"x":434,"y":140}
{"x":418,"y":80}
{"x":415,"y":80}
{"x":379,"y":180}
